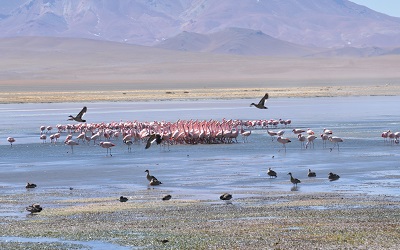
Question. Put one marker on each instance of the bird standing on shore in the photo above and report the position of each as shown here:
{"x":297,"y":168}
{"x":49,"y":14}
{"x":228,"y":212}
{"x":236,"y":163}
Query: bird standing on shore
{"x":167,"y":197}
{"x":311,"y":174}
{"x":261,"y":104}
{"x":30,"y":185}
{"x":295,"y":181}
{"x":333,"y":177}
{"x":78,"y":118}
{"x":34,"y":208}
{"x":226,"y":197}
{"x":152,"y":180}
{"x":123,"y":199}
{"x":271,"y":173}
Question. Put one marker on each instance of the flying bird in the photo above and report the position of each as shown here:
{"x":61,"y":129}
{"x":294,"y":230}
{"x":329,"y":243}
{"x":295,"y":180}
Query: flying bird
{"x":261,"y":105}
{"x":153,"y":138}
{"x":78,"y":118}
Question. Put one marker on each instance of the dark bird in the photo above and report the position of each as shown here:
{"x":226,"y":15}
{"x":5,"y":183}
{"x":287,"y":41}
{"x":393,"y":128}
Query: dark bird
{"x":78,"y":118}
{"x":34,"y":208}
{"x":295,"y":181}
{"x":30,"y":185}
{"x":333,"y":177}
{"x":260,"y":105}
{"x":153,"y":180}
{"x":226,"y":197}
{"x":153,"y":138}
{"x":123,"y":199}
{"x":167,"y":197}
{"x":271,"y":173}
{"x":311,"y":174}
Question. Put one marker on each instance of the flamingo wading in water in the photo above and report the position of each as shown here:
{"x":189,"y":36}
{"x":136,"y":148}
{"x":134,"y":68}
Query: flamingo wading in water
{"x":108,"y":145}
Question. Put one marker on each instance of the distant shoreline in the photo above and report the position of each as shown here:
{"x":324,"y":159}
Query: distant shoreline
{"x":191,"y":93}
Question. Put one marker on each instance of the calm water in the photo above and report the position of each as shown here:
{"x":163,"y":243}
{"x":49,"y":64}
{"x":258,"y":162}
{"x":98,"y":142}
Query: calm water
{"x":365,"y":163}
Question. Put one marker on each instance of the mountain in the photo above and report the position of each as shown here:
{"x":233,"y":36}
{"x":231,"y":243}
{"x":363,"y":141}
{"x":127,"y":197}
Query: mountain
{"x":237,"y":41}
{"x":243,"y":27}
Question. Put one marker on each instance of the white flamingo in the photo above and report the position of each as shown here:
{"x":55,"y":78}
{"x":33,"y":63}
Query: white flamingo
{"x":283,"y":141}
{"x":310,"y":140}
{"x":335,"y":140}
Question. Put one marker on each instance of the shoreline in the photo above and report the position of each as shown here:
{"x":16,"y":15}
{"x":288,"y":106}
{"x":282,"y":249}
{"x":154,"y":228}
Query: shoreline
{"x":191,"y":93}
{"x":276,"y":220}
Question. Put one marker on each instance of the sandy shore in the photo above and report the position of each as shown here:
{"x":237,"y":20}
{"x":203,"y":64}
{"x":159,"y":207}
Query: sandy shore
{"x":268,"y":220}
{"x":192,"y":93}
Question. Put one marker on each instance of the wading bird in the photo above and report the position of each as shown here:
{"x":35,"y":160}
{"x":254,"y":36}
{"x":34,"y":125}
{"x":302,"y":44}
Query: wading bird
{"x":295,"y":181}
{"x":78,"y":118}
{"x":108,"y":145}
{"x":261,"y":105}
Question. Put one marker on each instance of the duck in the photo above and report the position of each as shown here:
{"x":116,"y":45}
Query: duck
{"x":123,"y":199}
{"x":34,"y":208}
{"x":311,"y":174}
{"x":167,"y":197}
{"x":226,"y":197}
{"x":155,"y":182}
{"x":78,"y":118}
{"x":271,"y":173}
{"x":261,"y":103}
{"x":295,"y":181}
{"x":148,"y":176}
{"x":333,"y":177}
{"x":30,"y":185}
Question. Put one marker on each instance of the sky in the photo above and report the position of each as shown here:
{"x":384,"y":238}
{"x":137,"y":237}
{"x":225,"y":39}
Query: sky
{"x":389,"y":7}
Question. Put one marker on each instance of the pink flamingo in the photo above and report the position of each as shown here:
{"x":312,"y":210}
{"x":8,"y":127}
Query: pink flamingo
{"x":302,"y":139}
{"x":324,"y":138}
{"x":272,"y":134}
{"x":310,"y":140}
{"x":10,"y":140}
{"x":245,"y":134}
{"x":298,"y":131}
{"x":107,"y":145}
{"x":43,"y":137}
{"x":71,"y":143}
{"x":336,"y":141}
{"x":283,"y":141}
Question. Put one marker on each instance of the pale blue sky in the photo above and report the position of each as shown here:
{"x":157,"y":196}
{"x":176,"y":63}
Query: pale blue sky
{"x":389,"y":7}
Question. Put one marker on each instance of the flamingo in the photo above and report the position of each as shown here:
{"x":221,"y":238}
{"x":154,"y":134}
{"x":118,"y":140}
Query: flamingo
{"x":71,"y":143}
{"x":298,"y":131}
{"x":10,"y":140}
{"x":325,"y":138}
{"x":283,"y":141}
{"x":245,"y":134}
{"x":129,"y":144}
{"x":272,"y":134}
{"x":335,"y":140}
{"x":43,"y":137}
{"x":327,"y":131}
{"x":310,"y":140}
{"x":78,"y":118}
{"x":302,"y":139}
{"x":260,"y":105}
{"x":107,"y":145}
